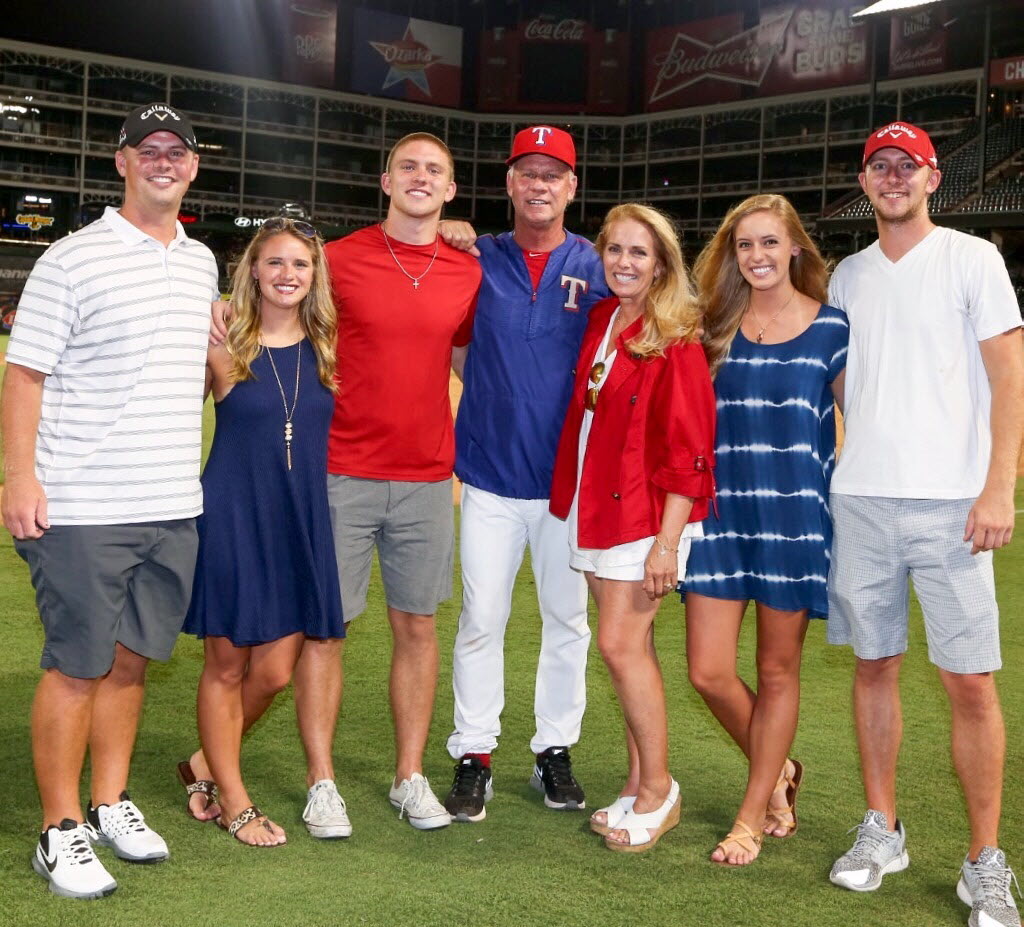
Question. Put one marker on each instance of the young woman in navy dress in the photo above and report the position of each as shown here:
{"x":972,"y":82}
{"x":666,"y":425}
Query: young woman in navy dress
{"x":266,"y":578}
{"x":778,"y":354}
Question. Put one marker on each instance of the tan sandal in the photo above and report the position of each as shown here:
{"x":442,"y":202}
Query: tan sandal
{"x":744,"y":838}
{"x":773,"y":821}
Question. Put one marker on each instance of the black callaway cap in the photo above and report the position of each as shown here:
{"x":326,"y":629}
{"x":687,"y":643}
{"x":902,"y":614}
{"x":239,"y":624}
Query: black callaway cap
{"x":156,"y":117}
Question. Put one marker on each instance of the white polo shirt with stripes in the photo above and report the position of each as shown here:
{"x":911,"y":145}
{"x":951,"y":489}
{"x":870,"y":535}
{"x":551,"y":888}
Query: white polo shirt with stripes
{"x":119,"y":325}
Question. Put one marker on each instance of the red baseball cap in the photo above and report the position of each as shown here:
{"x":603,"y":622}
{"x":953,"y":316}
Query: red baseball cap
{"x":907,"y":138}
{"x":545,"y":140}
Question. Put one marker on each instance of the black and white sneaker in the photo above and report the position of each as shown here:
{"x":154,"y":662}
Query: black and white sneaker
{"x":122,"y":827}
{"x":471,"y":790}
{"x":64,"y":857}
{"x":553,"y":776}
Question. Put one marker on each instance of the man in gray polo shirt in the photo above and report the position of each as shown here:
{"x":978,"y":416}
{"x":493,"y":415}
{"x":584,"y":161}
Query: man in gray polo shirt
{"x":102,"y":419}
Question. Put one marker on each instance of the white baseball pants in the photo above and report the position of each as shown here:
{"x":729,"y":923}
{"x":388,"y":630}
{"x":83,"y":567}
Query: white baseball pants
{"x":494,"y":533}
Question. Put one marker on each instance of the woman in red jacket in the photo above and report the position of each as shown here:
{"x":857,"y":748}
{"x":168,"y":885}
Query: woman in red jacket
{"x":634,"y":477}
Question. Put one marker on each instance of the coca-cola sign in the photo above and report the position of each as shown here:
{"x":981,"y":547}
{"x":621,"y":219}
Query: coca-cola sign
{"x":544,"y":29}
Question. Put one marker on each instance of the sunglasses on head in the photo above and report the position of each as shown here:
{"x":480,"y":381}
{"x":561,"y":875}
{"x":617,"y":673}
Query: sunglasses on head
{"x":281,"y":224}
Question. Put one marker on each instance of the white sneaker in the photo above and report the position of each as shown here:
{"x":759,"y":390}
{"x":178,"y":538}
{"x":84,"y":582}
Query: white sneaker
{"x":415,"y":800}
{"x":64,"y":857}
{"x":326,"y":816}
{"x":123,"y":828}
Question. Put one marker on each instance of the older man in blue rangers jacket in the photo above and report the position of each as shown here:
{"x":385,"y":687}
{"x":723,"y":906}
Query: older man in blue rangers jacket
{"x":538,"y":285}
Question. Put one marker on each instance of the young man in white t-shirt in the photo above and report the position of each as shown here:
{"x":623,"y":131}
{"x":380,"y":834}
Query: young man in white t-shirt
{"x":924,"y":490}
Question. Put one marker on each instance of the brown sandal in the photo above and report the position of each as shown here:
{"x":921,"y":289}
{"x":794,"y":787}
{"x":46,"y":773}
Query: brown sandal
{"x":250,"y":814}
{"x":792,"y":784}
{"x":744,"y":838}
{"x":194,"y":786}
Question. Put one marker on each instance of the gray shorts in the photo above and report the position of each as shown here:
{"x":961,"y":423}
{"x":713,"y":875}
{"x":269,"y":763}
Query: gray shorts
{"x":880,"y":543}
{"x":413,"y":529}
{"x":98,"y":585}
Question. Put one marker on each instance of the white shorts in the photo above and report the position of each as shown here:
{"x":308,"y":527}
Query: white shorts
{"x":626,"y":561}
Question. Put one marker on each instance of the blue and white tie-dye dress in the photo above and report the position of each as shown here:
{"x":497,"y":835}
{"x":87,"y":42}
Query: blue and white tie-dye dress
{"x":776,"y":439}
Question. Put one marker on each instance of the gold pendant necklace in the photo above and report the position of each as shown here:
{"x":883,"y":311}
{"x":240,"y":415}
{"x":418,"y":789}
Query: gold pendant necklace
{"x":764,"y":328}
{"x":287,"y":414}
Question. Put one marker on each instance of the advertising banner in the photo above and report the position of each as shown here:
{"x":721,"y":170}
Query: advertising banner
{"x":703,"y":62}
{"x":918,"y":43}
{"x":309,"y":57}
{"x":793,"y":48}
{"x":552,"y":65}
{"x":1007,"y":72}
{"x":405,"y":58}
{"x":14,"y":271}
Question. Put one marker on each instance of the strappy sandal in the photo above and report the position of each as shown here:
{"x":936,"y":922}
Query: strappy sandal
{"x":194,"y":786}
{"x":744,"y":838}
{"x":772,"y":815}
{"x":250,"y":814}
{"x":638,"y":826}
{"x":613,"y":815}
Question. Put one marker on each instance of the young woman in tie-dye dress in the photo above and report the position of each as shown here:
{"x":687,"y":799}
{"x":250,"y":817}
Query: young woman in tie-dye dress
{"x":778,"y":354}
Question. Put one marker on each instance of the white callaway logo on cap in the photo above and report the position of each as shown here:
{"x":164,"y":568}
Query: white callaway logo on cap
{"x":896,"y":130}
{"x":161,"y":113}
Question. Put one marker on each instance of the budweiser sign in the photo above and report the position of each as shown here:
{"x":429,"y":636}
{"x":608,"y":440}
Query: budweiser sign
{"x":739,"y":59}
{"x":918,"y":43}
{"x":548,"y":30}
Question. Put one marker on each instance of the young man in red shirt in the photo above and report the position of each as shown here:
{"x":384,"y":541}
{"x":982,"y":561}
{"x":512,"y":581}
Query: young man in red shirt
{"x":405,"y":303}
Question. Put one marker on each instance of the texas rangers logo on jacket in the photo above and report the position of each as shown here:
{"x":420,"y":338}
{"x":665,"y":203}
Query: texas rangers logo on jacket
{"x":519,"y":371}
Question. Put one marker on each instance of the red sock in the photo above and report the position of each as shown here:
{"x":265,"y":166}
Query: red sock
{"x":484,"y":758}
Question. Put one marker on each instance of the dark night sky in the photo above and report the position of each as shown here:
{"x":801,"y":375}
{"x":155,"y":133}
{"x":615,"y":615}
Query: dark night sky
{"x":234,"y":36}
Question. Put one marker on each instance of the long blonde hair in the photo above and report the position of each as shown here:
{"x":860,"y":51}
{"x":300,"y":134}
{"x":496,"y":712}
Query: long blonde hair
{"x":317,"y":314}
{"x":725,"y":294}
{"x":670,"y":313}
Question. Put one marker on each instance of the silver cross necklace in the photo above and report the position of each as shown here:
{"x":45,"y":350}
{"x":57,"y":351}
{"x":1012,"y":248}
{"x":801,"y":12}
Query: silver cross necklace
{"x":394,"y":257}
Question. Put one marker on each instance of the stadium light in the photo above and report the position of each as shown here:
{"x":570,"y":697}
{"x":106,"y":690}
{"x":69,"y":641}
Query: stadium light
{"x":891,"y":6}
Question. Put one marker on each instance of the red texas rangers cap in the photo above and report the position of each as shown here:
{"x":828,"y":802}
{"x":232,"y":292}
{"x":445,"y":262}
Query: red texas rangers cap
{"x":545,"y":140}
{"x":907,"y":138}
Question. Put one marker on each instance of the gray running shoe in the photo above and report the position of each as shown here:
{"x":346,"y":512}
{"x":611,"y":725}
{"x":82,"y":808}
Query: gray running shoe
{"x":985,"y":886}
{"x":875,"y":853}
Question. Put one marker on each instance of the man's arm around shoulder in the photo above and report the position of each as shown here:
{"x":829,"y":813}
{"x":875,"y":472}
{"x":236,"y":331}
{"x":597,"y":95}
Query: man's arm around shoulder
{"x":24,"y":502}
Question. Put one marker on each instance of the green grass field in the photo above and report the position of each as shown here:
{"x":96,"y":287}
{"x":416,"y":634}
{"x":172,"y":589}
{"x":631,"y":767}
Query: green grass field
{"x":523,"y":864}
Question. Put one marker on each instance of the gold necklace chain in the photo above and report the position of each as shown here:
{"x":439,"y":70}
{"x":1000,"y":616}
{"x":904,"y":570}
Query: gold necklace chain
{"x":757,"y":318}
{"x":394,"y":257}
{"x":287,"y":414}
